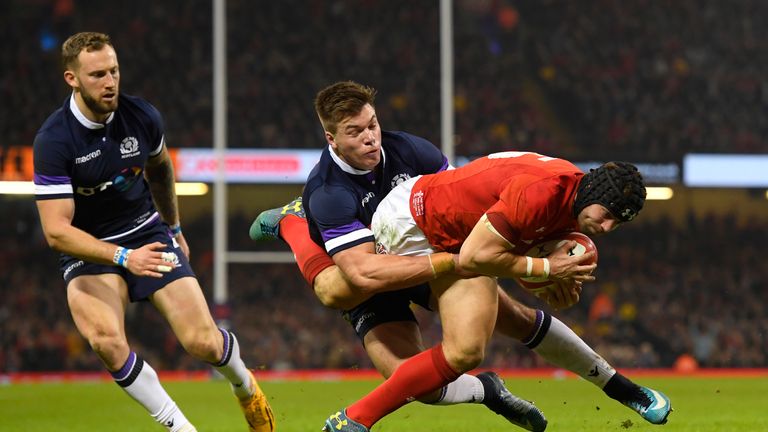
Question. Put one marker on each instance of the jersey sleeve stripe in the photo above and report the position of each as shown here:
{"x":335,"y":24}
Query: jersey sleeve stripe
{"x":341,"y":230}
{"x":159,"y":147}
{"x":446,"y":165}
{"x":40,"y":179}
{"x":53,"y":189}
{"x":353,"y":237}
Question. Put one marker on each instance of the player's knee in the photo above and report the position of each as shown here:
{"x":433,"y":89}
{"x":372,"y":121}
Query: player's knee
{"x":204,"y":345}
{"x":465,"y":357}
{"x":111,"y":349}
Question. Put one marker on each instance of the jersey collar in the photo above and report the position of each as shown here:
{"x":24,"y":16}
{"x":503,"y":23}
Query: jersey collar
{"x":83,"y":119}
{"x":347,"y":168}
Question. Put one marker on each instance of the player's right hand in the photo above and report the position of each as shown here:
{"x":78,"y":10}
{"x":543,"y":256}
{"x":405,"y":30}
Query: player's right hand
{"x":565,"y":266}
{"x":148,"y":261}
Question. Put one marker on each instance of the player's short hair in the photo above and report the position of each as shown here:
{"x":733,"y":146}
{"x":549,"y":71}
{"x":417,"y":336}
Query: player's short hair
{"x":617,"y":186}
{"x":89,"y":41}
{"x":341,"y":100}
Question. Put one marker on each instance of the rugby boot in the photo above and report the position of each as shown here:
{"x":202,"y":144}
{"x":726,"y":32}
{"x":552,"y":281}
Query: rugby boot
{"x":256,"y":409}
{"x":267,"y":225}
{"x":339,"y":422}
{"x":652,"y":405}
{"x":517,"y":411}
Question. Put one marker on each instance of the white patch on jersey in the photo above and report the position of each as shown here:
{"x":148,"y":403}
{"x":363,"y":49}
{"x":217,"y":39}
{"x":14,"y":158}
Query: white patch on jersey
{"x":129,"y":147}
{"x":396,"y":180}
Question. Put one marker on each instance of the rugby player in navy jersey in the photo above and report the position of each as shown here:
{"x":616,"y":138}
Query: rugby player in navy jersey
{"x":361,"y":165}
{"x":104,"y":187}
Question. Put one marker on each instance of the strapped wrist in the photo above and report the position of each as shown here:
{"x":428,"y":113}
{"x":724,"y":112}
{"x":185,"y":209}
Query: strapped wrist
{"x":175,"y":229}
{"x":121,"y":256}
{"x":537,"y":267}
{"x":441,"y":263}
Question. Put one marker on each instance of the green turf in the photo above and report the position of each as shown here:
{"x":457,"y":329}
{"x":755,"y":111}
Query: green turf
{"x":701,"y":405}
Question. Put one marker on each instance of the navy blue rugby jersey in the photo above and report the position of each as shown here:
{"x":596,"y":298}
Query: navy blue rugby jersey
{"x":100,"y":165}
{"x":340,"y":200}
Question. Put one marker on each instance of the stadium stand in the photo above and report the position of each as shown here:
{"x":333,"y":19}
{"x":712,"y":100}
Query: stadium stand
{"x":633,"y":80}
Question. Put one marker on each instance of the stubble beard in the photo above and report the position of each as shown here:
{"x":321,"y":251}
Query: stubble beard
{"x":96,"y":107}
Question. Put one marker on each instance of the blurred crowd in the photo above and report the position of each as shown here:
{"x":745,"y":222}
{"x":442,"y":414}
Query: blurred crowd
{"x":654,"y":78}
{"x":636,"y":80}
{"x":663,"y":291}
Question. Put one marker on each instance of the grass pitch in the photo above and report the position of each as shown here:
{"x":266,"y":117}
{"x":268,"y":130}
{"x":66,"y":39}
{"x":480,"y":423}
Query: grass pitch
{"x":572,"y":405}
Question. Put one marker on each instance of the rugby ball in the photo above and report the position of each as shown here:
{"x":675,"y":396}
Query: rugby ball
{"x":542,"y":249}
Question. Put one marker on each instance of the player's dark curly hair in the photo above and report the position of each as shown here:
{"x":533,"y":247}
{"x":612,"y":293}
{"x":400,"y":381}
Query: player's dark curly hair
{"x":89,"y":41}
{"x":617,"y":186}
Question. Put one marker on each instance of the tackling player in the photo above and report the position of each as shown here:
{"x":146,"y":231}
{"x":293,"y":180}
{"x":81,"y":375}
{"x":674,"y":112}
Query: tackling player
{"x":104,"y":187}
{"x":359,"y":167}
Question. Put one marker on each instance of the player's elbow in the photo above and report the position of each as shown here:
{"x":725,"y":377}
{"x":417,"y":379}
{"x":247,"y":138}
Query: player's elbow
{"x":55,"y":239}
{"x":365,"y":282}
{"x":474,"y":261}
{"x":333,"y":301}
{"x":336,"y":299}
{"x":471,"y":262}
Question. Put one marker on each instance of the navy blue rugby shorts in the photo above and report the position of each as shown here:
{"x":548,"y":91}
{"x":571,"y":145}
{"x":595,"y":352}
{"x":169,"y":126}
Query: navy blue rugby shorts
{"x":387,"y":307}
{"x":139,"y":287}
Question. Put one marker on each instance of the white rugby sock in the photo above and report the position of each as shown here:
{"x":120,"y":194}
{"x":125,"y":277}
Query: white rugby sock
{"x":233,"y":368}
{"x":140,"y":381}
{"x":559,"y":345}
{"x":465,"y":389}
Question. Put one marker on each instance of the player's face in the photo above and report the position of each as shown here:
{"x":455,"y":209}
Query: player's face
{"x":358,"y":139}
{"x":595,"y":219}
{"x":97,"y":82}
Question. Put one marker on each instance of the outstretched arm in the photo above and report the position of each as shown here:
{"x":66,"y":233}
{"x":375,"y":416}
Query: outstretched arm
{"x":485,"y":251}
{"x":370,"y":272}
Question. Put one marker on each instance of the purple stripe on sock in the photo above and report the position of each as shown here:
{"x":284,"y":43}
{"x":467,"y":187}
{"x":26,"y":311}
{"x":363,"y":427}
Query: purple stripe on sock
{"x":227,"y":348}
{"x":125,"y":371}
{"x":536,"y":327}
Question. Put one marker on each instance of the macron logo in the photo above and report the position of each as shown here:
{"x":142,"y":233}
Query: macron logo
{"x":89,"y":156}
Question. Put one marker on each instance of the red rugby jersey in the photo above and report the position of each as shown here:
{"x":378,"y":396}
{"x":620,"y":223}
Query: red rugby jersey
{"x":527,"y":197}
